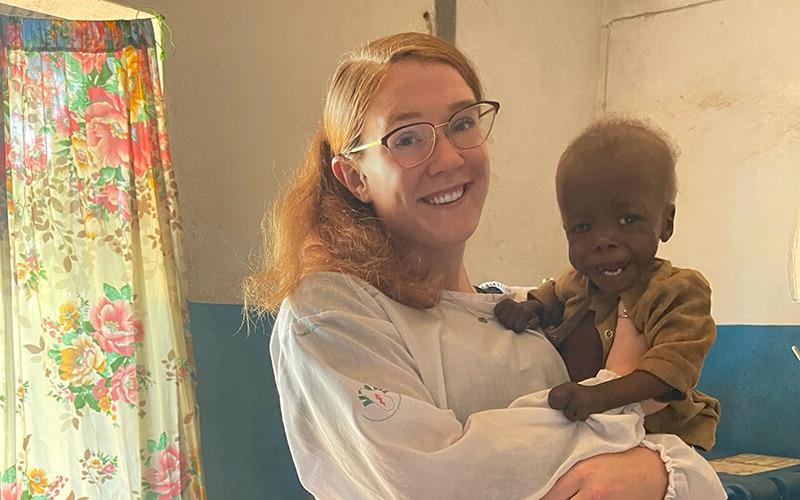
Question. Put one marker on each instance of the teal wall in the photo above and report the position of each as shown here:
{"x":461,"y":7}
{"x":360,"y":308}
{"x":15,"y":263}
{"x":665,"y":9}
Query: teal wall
{"x":750,"y":369}
{"x":245,"y":454}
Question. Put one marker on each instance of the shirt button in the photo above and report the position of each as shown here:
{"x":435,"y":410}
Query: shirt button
{"x":608,"y":333}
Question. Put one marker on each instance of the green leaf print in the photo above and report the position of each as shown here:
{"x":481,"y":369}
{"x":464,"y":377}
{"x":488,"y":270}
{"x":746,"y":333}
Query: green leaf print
{"x":127,"y":293}
{"x":69,"y":338}
{"x":93,"y":404}
{"x":117,"y":362}
{"x":104,"y":76}
{"x":107,"y":174}
{"x":162,"y":443}
{"x":9,"y":474}
{"x":111,"y":292}
{"x":80,"y":401}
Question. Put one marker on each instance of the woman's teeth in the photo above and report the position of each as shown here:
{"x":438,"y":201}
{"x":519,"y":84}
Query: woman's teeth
{"x":611,"y":272}
{"x":443,"y":199}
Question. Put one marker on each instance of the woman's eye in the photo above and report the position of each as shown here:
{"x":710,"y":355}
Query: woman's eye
{"x":405,"y":140}
{"x":581,"y":228}
{"x":462,"y":124}
{"x":628,"y":219}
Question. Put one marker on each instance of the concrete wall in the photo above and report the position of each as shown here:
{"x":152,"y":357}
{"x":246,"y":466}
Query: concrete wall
{"x":541,"y":60}
{"x":723,"y":79}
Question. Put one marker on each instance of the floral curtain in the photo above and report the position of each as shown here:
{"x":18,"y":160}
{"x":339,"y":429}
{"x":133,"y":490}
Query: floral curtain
{"x":96,"y":369}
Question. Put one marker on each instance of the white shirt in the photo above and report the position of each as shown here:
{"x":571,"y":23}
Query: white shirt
{"x":380,"y":400}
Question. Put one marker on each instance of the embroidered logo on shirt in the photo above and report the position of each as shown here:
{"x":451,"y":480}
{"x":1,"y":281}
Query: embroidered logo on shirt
{"x":307,"y":331}
{"x":378,"y":404}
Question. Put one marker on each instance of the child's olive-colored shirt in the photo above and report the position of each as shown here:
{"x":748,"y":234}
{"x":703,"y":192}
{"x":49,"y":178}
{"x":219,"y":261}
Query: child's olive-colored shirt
{"x":672,"y":309}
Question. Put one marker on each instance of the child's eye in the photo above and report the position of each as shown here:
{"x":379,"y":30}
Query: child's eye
{"x":583,"y":227}
{"x":628,"y":219}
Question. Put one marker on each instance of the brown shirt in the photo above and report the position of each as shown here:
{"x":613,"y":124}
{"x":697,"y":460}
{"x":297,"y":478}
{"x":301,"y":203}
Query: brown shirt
{"x":672,"y":309}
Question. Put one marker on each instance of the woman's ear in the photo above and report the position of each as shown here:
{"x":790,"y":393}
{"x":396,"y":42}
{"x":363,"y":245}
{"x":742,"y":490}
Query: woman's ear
{"x":349,"y":177}
{"x":669,"y":223}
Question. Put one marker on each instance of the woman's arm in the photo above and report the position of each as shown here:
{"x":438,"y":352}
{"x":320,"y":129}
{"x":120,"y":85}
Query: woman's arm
{"x":662,"y":467}
{"x":636,"y":473}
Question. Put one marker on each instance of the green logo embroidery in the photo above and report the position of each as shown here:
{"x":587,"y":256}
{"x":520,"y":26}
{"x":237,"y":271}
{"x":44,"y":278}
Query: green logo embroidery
{"x":307,"y":331}
{"x":379,"y":404}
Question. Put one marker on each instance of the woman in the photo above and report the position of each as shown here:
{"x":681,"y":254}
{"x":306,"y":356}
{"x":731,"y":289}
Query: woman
{"x":395,"y":379}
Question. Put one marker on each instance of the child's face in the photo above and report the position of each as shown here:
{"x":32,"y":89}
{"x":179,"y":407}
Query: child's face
{"x":614,"y":214}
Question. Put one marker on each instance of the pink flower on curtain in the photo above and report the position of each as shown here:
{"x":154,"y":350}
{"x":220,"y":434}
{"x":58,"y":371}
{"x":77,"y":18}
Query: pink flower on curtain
{"x":35,"y":158}
{"x":123,"y":384}
{"x":107,"y":127}
{"x":115,"y":327}
{"x":99,"y":391}
{"x":11,"y":491}
{"x":142,"y":149}
{"x":114,"y":199}
{"x":164,"y":478}
{"x":66,"y":122}
{"x":91,"y":61}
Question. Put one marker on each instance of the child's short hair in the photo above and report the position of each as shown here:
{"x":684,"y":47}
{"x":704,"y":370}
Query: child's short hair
{"x":635,"y":140}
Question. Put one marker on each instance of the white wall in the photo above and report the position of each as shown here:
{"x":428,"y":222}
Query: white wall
{"x":724,"y":80}
{"x":541,"y":60}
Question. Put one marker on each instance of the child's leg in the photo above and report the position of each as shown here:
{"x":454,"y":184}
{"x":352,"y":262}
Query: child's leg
{"x":627,"y":352}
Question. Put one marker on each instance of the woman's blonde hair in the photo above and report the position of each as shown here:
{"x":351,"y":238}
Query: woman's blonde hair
{"x":316,"y":224}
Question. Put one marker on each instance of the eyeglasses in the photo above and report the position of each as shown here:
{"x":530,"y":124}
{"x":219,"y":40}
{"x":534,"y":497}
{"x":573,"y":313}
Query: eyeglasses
{"x":410,"y":145}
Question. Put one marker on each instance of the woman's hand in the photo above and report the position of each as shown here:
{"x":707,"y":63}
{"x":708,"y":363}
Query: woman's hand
{"x":637,"y":473}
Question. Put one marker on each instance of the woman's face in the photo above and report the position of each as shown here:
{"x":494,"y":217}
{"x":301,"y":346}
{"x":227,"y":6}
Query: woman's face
{"x":434,"y":206}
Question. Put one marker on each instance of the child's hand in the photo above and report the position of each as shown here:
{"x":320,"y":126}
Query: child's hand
{"x":519,"y":315}
{"x":577,"y":401}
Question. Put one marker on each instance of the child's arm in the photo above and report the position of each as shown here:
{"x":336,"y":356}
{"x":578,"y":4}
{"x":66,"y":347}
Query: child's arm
{"x":519,"y":316}
{"x":542,"y":309}
{"x":579,"y":401}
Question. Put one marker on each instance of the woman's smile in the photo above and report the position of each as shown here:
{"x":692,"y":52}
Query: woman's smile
{"x":448,"y":196}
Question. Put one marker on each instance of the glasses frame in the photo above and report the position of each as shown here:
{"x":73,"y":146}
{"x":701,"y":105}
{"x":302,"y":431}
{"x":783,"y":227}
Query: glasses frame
{"x":383,"y":141}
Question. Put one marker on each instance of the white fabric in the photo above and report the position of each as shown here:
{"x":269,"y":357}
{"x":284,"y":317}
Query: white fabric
{"x":380,"y":400}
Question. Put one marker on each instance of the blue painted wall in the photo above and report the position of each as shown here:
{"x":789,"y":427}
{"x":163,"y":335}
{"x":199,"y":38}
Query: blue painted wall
{"x":756,"y":377}
{"x":245,"y":454}
{"x":750,"y":369}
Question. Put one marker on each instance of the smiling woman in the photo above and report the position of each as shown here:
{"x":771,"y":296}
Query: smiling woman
{"x":389,"y":387}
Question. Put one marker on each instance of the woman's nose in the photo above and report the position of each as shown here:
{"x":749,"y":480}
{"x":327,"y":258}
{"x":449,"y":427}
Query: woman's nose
{"x":446,"y":155}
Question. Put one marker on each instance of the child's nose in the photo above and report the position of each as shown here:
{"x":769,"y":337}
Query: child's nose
{"x":604,"y":242}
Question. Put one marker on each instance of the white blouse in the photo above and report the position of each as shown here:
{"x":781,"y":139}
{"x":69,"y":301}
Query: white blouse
{"x":380,"y":400}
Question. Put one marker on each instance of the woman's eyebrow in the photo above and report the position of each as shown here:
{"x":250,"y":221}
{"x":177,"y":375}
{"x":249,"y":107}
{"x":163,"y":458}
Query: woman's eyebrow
{"x":401,"y":116}
{"x":461,"y":104}
{"x":393,"y":118}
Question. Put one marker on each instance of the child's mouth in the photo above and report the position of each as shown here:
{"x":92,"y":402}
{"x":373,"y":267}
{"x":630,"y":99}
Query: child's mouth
{"x":612,"y":270}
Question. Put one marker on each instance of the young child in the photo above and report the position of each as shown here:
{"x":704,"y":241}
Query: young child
{"x":616,"y":189}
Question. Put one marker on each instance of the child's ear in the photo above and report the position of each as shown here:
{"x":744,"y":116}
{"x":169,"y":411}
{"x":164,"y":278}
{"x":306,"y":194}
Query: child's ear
{"x":669,"y":223}
{"x":349,"y":176}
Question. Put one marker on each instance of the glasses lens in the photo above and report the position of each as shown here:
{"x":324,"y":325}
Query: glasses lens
{"x":470,"y":127}
{"x":411,"y":145}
